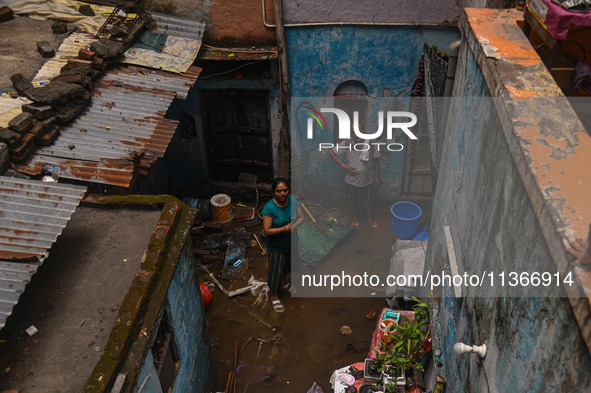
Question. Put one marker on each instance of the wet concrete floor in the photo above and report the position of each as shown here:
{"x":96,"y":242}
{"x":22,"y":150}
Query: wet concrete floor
{"x":290,"y":351}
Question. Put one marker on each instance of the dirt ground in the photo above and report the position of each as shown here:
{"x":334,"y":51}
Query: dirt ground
{"x":18,"y":47}
{"x":289,"y":351}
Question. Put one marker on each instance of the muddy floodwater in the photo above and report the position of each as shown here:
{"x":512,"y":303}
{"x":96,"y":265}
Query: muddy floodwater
{"x":288,"y":352}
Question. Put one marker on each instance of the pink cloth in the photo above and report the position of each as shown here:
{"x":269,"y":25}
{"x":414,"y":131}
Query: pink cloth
{"x":557,"y":19}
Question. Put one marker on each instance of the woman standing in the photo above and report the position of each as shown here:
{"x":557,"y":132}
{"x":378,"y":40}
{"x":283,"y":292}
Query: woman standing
{"x":281,"y":216}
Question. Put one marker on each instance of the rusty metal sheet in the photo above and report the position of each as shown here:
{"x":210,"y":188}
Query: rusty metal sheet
{"x":68,"y":49}
{"x":123,"y":126}
{"x":32,"y":216}
{"x":180,"y":49}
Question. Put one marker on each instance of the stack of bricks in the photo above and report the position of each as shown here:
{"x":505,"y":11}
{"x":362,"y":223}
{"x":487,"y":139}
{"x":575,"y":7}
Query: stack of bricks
{"x":39,"y":124}
{"x":24,"y":132}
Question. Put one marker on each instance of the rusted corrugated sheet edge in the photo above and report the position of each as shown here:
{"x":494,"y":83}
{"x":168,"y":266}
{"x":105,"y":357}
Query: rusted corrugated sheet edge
{"x":178,"y":27}
{"x":105,"y":173}
{"x":125,"y":119}
{"x":32,"y":216}
{"x":13,"y":278}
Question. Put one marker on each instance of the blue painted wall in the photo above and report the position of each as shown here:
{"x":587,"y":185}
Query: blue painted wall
{"x":534,"y":342}
{"x":383,"y":58}
{"x":184,"y":305}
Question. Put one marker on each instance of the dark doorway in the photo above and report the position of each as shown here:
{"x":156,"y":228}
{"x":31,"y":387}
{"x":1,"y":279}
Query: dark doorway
{"x":237,"y":134}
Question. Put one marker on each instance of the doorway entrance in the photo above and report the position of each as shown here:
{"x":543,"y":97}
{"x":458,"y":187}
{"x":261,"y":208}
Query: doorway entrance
{"x":237,"y":133}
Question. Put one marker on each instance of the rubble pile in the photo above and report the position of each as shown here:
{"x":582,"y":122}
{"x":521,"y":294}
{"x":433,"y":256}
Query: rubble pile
{"x":65,"y":97}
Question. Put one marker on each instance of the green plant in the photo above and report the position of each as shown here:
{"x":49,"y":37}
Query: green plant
{"x":421,"y":310}
{"x":391,"y":388}
{"x":407,"y":347}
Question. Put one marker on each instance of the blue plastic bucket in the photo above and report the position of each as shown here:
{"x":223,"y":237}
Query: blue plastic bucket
{"x":405,"y":217}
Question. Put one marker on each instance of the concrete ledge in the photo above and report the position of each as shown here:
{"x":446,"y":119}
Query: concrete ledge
{"x":548,"y":143}
{"x":130,"y":339}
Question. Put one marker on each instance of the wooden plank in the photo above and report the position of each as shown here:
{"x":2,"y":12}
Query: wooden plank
{"x":118,"y":385}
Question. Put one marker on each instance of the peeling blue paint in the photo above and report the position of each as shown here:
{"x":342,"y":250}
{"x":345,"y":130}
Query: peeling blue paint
{"x":534,"y":342}
{"x":196,"y":373}
{"x":385,"y":59}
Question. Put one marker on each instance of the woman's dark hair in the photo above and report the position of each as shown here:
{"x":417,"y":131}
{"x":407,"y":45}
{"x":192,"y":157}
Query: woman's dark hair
{"x":277,"y":181}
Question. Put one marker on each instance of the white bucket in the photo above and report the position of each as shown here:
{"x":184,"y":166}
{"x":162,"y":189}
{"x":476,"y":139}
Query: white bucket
{"x":222,"y":208}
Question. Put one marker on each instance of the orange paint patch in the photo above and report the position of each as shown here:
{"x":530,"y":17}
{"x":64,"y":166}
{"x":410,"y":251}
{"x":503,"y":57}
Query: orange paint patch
{"x":514,"y":92}
{"x":562,"y":179}
{"x":499,"y":29}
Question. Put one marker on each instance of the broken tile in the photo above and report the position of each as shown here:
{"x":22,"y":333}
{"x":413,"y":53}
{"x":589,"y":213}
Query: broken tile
{"x":45,"y":49}
{"x":37,"y":130}
{"x":21,"y":123}
{"x":79,"y":79}
{"x":39,"y":112}
{"x":21,"y":153}
{"x":99,"y":64}
{"x":49,"y":136}
{"x":86,"y":10}
{"x":10,"y":138}
{"x":84,"y":54}
{"x":79,"y":61}
{"x":4,"y":160}
{"x":5,"y":13}
{"x":59,"y":27}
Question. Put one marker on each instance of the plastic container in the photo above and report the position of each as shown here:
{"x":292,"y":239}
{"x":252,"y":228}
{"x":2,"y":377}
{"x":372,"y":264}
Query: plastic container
{"x":422,"y":234}
{"x":387,"y":326}
{"x":222,"y":208}
{"x":203,"y":207}
{"x":405,"y":217}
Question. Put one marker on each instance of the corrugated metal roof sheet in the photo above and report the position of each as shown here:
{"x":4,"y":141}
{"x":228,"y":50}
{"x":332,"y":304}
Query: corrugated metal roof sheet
{"x":179,"y":27}
{"x":68,"y":49}
{"x":124,"y":126}
{"x":32,"y":216}
{"x":181,"y":47}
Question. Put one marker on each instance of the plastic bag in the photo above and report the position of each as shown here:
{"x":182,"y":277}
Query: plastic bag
{"x":315,"y":388}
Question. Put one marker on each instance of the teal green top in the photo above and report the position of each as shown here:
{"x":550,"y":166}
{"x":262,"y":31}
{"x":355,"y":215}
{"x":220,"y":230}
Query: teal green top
{"x":281,"y":217}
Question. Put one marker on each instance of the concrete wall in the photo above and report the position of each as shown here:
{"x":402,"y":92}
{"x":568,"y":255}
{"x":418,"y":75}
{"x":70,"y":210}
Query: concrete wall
{"x":502,"y":221}
{"x":384,"y":59}
{"x":241,"y":22}
{"x":197,"y":367}
{"x":376,"y":11}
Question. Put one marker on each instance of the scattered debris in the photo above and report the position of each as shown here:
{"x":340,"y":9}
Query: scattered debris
{"x":31,"y":330}
{"x":86,"y":10}
{"x":45,"y":49}
{"x":5,"y":13}
{"x":213,"y":226}
{"x":59,"y":27}
{"x":263,"y":250}
{"x":21,"y":123}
